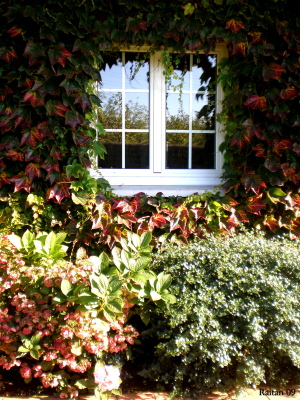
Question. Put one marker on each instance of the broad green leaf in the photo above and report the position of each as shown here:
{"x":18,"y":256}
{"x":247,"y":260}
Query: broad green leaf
{"x":86,"y":384}
{"x":139,"y":278}
{"x":145,"y":317}
{"x":125,"y":257}
{"x":83,"y":200}
{"x":99,"y":149}
{"x":113,"y":306}
{"x":115,"y":285}
{"x":163,"y":281}
{"x":50,"y":241}
{"x":66,"y":286}
{"x":110,"y":316}
{"x":142,"y":262}
{"x":104,"y":261}
{"x":168,"y":298}
{"x":23,"y":349}
{"x":79,"y":289}
{"x":154,"y":295}
{"x":34,"y":354}
{"x":99,"y":284}
{"x":28,"y":238}
{"x":38,"y":246}
{"x":136,"y":240}
{"x":145,"y":239}
{"x":35,"y":339}
{"x":16,"y":241}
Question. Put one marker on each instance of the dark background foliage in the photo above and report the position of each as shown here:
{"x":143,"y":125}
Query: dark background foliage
{"x":50,"y":52}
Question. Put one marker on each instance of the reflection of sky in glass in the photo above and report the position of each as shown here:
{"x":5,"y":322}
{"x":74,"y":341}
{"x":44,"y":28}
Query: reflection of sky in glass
{"x":136,"y":110}
{"x":112,"y":77}
{"x":140,"y":76}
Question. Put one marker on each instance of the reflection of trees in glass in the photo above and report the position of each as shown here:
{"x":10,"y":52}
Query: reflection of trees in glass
{"x":136,"y":115}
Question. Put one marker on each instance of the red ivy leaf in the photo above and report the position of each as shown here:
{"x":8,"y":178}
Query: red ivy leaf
{"x":251,"y":128}
{"x":255,"y":101}
{"x":31,"y":154}
{"x":59,"y":54}
{"x":22,"y":117}
{"x":289,"y":93}
{"x":240,"y":138}
{"x":51,"y":165}
{"x":7,"y":54}
{"x":272,"y":71}
{"x":56,"y":153}
{"x":255,"y":205}
{"x":70,"y":86}
{"x":21,"y":181}
{"x":241,"y":215}
{"x":234,"y":25}
{"x":199,"y":213}
{"x":58,"y":192}
{"x":4,"y":179}
{"x":254,"y":182}
{"x":15,"y":31}
{"x":4,"y":91}
{"x":287,"y":170}
{"x":111,"y":234}
{"x":33,"y":171}
{"x":44,"y":88}
{"x":73,"y":119}
{"x":15,"y":155}
{"x":282,"y":144}
{"x":255,"y":36}
{"x":271,"y":223}
{"x":272,"y":164}
{"x":45,"y":130}
{"x":31,"y":136}
{"x":83,"y":99}
{"x":127,"y":219}
{"x":34,"y":51}
{"x":80,"y":139}
{"x":157,"y":220}
{"x":56,"y":107}
{"x":239,"y":47}
{"x":260,"y":150}
{"x":34,"y":98}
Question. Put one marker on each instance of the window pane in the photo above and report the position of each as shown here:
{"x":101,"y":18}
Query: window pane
{"x":203,"y":111}
{"x":136,"y":75}
{"x":203,"y":150}
{"x":137,"y":150}
{"x":111,"y":75}
{"x":113,"y":144}
{"x":177,"y":111}
{"x":136,"y":110}
{"x":177,"y":150}
{"x":110,"y":115}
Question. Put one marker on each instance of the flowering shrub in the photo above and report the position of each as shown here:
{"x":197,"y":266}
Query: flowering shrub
{"x":58,"y":319}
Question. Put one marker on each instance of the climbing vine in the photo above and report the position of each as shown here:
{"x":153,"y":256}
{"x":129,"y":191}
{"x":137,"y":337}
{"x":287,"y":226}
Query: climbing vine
{"x":49,"y":54}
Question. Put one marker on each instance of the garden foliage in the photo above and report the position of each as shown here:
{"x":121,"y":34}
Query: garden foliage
{"x":58,"y":319}
{"x":48,"y":64}
{"x":236,"y":322}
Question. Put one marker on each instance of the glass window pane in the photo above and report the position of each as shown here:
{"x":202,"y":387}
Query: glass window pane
{"x":203,"y":151}
{"x":203,"y":111}
{"x":113,"y":144}
{"x":177,"y":111}
{"x":181,"y":65}
{"x":110,"y":114}
{"x":136,"y":74}
{"x":136,"y":110}
{"x":137,"y":150}
{"x":111,"y":74}
{"x":177,"y":150}
{"x":204,"y":71}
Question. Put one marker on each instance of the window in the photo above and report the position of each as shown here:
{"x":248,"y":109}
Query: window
{"x":160,"y":137}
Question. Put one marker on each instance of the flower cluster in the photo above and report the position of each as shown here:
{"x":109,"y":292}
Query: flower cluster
{"x":107,"y":377}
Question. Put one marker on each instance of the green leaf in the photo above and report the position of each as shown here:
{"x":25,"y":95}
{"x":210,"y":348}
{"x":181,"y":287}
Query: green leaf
{"x":16,"y":241}
{"x":23,"y":349}
{"x":145,"y":239}
{"x":99,"y":285}
{"x":154,"y":295}
{"x":34,"y":354}
{"x":66,"y":286}
{"x":276,"y":192}
{"x":104,"y":261}
{"x":99,"y":149}
{"x":163,"y":281}
{"x":142,"y":262}
{"x":113,"y":306}
{"x":86,"y":384}
{"x":110,"y":316}
{"x":140,"y":278}
{"x":168,"y":298}
{"x":35,"y":339}
{"x":27,"y":239}
{"x":145,"y":317}
{"x":82,"y":200}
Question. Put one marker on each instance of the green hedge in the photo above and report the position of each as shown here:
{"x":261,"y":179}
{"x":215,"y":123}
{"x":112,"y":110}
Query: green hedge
{"x":236,"y":322}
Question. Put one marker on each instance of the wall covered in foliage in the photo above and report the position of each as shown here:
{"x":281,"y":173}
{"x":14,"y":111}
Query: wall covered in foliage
{"x":50,"y":53}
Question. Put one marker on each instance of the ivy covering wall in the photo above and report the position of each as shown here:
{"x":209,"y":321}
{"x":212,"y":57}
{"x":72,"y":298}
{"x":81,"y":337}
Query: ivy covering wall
{"x":51,"y":52}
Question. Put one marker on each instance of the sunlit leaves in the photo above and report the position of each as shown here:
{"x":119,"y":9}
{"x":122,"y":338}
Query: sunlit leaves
{"x":58,"y":192}
{"x":21,"y":181}
{"x":234,"y":25}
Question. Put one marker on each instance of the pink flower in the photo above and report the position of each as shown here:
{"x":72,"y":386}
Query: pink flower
{"x":107,"y":377}
{"x":66,"y":333}
{"x":25,"y":371}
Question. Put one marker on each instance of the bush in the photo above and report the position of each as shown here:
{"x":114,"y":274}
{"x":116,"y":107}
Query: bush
{"x":59,"y":320}
{"x":236,"y":321}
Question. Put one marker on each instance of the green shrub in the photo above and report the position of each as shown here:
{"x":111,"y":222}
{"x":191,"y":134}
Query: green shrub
{"x":236,"y":321}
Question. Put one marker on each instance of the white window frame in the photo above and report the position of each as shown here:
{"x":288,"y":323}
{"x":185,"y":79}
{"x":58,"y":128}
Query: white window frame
{"x":183,"y":182}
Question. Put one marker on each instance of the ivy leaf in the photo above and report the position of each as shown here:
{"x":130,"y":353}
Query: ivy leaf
{"x":33,"y":171}
{"x":287,"y":170}
{"x":240,"y":138}
{"x":255,"y":101}
{"x":254,"y":182}
{"x":58,"y":192}
{"x":45,"y":130}
{"x":21,"y":181}
{"x":234,"y":25}
{"x":15,"y":155}
{"x":251,"y":128}
{"x":272,"y":71}
{"x":289,"y":93}
{"x":271,"y":223}
{"x":282,"y":144}
{"x":31,"y":136}
{"x":255,"y":205}
{"x":188,"y":9}
{"x":4,"y":91}
{"x":83,"y":99}
{"x":272,"y":164}
{"x":34,"y":98}
{"x":73,"y":119}
{"x":56,"y":107}
{"x":22,"y":117}
{"x":70,"y":86}
{"x":260,"y":150}
{"x":7,"y":54}
{"x":4,"y":179}
{"x":46,"y":87}
{"x":34,"y":51}
{"x":59,"y":54}
{"x":14,"y":31}
{"x":99,"y":149}
{"x":50,"y":165}
{"x":80,"y":139}
{"x":31,"y":154}
{"x":157,"y":220}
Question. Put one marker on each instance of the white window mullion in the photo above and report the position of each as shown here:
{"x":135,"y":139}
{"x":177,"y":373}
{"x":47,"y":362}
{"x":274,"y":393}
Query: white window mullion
{"x":123,"y":109}
{"x":157,"y":112}
{"x":190,"y":114}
